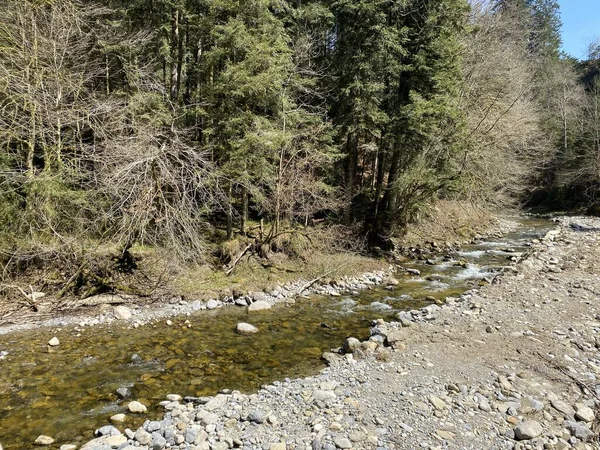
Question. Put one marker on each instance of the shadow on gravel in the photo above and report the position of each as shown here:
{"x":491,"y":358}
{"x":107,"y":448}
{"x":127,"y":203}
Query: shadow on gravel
{"x":584,"y":229}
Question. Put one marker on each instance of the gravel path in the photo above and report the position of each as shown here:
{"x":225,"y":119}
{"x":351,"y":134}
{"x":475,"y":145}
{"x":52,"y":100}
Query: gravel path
{"x":512,"y":365}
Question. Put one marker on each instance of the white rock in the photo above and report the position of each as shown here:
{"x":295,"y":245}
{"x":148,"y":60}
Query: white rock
{"x":44,"y":440}
{"x":212,"y":304}
{"x":259,"y":306}
{"x":246,"y":328}
{"x":122,"y":312}
{"x":118,"y":418}
{"x":136,"y":407}
{"x":174,"y":397}
{"x":54,"y":342}
{"x":68,"y":447}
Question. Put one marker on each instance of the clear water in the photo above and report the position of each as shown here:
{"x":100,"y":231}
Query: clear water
{"x":69,"y":391}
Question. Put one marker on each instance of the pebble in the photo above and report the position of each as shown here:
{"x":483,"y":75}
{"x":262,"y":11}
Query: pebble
{"x":437,"y":402}
{"x":342,"y":442}
{"x":54,"y":342}
{"x":122,"y":312}
{"x":44,"y":440}
{"x":136,"y":407}
{"x":246,"y":328}
{"x":118,"y":418}
{"x":585,"y":413}
{"x":259,"y":306}
{"x":142,"y":436}
{"x":530,"y":429}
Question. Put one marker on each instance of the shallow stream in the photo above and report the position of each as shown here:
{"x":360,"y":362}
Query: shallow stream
{"x":69,"y":391}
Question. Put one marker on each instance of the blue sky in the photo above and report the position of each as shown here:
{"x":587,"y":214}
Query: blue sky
{"x":581,"y":25}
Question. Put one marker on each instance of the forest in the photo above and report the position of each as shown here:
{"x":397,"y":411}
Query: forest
{"x":185,"y":124}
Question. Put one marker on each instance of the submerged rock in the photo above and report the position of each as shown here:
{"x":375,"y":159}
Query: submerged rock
{"x":44,"y":440}
{"x":246,"y":328}
{"x":259,"y":306}
{"x":136,"y":407}
{"x":54,"y":342}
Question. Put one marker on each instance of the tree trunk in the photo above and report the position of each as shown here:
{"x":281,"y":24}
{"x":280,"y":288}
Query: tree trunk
{"x":244,"y":218}
{"x":351,"y":162}
{"x":174,"y":54}
{"x":230,"y":212}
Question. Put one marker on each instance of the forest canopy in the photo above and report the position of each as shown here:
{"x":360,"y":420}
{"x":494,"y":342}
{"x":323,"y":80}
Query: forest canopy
{"x":170,"y":122}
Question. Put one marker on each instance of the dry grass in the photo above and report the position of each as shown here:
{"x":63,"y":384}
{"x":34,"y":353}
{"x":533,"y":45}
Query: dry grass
{"x":203,"y":282}
{"x":450,"y":221}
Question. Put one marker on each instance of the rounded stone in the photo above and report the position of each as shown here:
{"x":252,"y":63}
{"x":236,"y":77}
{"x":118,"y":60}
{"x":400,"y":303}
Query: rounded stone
{"x":246,"y":328}
{"x":122,"y":312}
{"x":530,"y":429}
{"x":585,"y":414}
{"x":136,"y":408}
{"x":118,"y":418}
{"x":54,"y":342}
{"x":44,"y":440}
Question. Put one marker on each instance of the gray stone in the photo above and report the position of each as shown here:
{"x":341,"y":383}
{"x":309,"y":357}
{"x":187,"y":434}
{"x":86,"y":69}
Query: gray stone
{"x":158,"y":442}
{"x":246,"y":328}
{"x":122,"y":312}
{"x":107,"y":430}
{"x":578,"y":430}
{"x":342,"y":442}
{"x":437,"y":402}
{"x":190,"y":435}
{"x":124,"y":392}
{"x":216,"y":402}
{"x":152,"y":426}
{"x":530,"y":429}
{"x":257,"y":416}
{"x":585,"y":413}
{"x":196,"y":305}
{"x":259,"y":306}
{"x":105,"y":443}
{"x":209,"y":418}
{"x":142,"y":436}
{"x":62,"y":447}
{"x":351,"y":345}
{"x":394,"y":339}
{"x":563,"y":407}
{"x":324,"y":396}
{"x":212,"y":304}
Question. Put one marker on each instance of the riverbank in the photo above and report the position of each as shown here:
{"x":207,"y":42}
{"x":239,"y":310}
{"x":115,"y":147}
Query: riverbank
{"x":448,"y":226}
{"x":510,"y":365}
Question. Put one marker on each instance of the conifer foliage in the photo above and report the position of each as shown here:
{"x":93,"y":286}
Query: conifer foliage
{"x":167,"y":122}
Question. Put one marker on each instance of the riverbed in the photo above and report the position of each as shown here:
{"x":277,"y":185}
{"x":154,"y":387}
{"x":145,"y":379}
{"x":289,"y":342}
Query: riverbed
{"x":68,"y":391}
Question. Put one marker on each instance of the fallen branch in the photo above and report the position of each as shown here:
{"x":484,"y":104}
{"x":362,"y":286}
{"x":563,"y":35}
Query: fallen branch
{"x":237,"y":260}
{"x":30,"y":299}
{"x":319,"y":278}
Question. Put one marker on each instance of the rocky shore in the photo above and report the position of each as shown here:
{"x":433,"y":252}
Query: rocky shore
{"x":127,"y":309}
{"x":513,"y":365}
